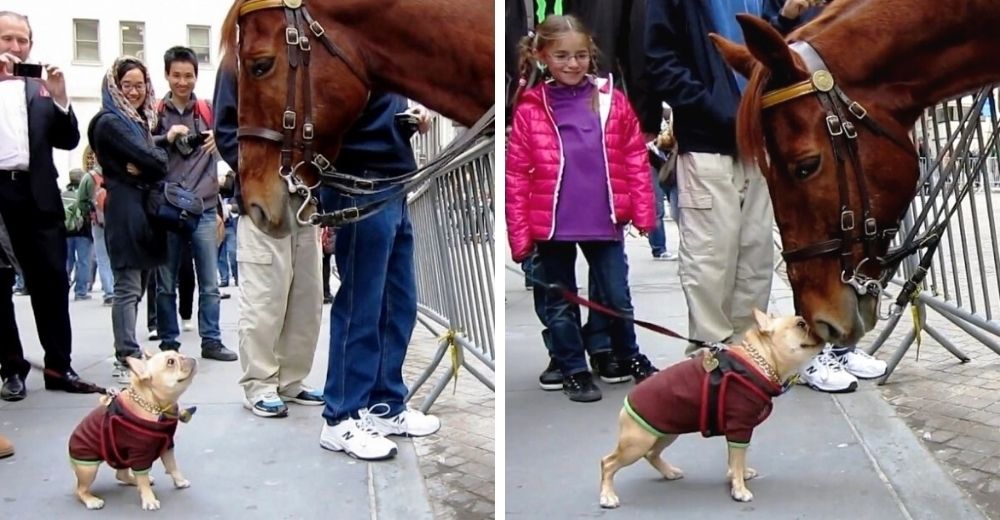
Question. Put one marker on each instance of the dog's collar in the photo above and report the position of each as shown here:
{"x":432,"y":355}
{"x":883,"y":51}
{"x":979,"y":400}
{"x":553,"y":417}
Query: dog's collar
{"x":143,"y":403}
{"x":758,"y":358}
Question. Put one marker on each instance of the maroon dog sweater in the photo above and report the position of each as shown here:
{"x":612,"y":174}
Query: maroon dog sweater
{"x":121,"y":438}
{"x":730,"y":400}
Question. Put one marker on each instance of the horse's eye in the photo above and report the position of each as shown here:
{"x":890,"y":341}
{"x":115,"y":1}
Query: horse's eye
{"x":261,"y":66}
{"x":806,"y":167}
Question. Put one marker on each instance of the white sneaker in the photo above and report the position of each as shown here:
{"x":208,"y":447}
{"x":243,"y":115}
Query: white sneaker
{"x":187,"y":325}
{"x":826,"y":374}
{"x":121,"y":374}
{"x":666,"y":256}
{"x":861,"y":365}
{"x":408,"y":423}
{"x":358,"y":439}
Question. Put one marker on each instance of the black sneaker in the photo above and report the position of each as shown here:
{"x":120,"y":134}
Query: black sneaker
{"x":608,"y":368}
{"x":640,"y":368}
{"x":551,"y":378}
{"x":170,"y":345}
{"x":580,"y":387}
{"x":214,"y":349}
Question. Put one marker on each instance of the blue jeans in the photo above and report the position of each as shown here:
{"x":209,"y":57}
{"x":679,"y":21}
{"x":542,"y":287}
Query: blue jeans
{"x":103,"y":263}
{"x":600,"y":332}
{"x":657,"y":237}
{"x":533,"y":267}
{"x":373,"y":312}
{"x":78,"y":251}
{"x":124,"y":309}
{"x":227,"y":254}
{"x":206,"y":261}
{"x":610,"y":274}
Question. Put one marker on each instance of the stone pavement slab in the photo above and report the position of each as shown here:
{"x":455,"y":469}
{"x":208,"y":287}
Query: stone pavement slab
{"x":818,"y":458}
{"x":241,"y":466}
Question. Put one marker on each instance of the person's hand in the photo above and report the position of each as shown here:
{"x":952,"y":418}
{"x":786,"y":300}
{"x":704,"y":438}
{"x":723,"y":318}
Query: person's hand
{"x":209,"y":145}
{"x":132,"y":169}
{"x":177,"y":131}
{"x":423,"y":118}
{"x":7,"y":61}
{"x":793,"y":8}
{"x":55,"y":82}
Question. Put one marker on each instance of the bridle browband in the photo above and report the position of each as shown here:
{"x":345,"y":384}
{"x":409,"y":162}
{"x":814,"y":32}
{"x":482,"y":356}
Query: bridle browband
{"x":299,"y":23}
{"x":841,"y":112}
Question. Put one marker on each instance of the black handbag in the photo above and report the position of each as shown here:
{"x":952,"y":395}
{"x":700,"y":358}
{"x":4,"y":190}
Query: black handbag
{"x":174,"y":208}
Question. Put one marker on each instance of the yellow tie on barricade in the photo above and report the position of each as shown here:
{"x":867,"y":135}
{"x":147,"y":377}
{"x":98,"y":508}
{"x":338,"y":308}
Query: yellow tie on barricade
{"x":917,"y":321}
{"x":453,"y":348}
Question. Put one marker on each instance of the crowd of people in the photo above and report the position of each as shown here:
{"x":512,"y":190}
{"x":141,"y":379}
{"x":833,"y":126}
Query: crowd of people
{"x":120,"y":218}
{"x":579,"y":156}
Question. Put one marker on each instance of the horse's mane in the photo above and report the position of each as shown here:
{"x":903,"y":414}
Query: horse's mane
{"x":749,"y":119}
{"x":227,"y":44}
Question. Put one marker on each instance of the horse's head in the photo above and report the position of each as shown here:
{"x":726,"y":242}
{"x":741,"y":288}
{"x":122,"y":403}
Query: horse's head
{"x":297,"y":96}
{"x":840,"y":173}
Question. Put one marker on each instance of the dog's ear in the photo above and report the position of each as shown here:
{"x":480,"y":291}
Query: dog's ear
{"x":146,"y":354}
{"x":763,"y":320}
{"x":138,"y":367}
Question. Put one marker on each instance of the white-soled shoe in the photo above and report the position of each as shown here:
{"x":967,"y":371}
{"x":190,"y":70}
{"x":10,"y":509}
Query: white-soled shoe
{"x":408,"y":423}
{"x":862,"y":365}
{"x":357,"y":438}
{"x":826,"y":374}
{"x":187,"y":325}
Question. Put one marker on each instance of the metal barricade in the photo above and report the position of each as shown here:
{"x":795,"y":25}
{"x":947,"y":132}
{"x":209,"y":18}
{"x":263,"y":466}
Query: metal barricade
{"x":957,"y":141}
{"x":452,"y":218}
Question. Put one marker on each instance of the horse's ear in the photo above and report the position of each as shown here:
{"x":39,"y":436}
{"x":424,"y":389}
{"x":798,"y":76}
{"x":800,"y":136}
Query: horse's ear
{"x":736,"y":55}
{"x":767,"y":45}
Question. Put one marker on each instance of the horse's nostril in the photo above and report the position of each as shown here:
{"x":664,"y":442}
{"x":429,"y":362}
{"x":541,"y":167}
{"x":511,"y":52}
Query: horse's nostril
{"x":828,"y":331}
{"x":257,"y":214}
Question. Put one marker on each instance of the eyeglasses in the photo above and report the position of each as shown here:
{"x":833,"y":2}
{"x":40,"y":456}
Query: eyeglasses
{"x":562,"y":58}
{"x":138,"y":87}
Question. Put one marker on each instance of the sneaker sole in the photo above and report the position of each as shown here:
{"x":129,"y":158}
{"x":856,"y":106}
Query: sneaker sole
{"x":333,"y":447}
{"x":615,"y":380}
{"x":578,"y":399}
{"x":261,"y":413}
{"x":850,"y":388}
{"x":303,"y":402}
{"x":548,"y":387}
{"x":410,"y":435}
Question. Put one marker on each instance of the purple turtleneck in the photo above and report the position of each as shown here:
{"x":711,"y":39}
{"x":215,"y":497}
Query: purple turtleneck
{"x":583,"y":210}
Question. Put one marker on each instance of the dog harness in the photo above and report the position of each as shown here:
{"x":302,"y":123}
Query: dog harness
{"x":119,"y":437}
{"x":721,"y":393}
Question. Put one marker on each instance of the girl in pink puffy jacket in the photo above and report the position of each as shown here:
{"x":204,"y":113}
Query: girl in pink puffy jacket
{"x":577,"y":173}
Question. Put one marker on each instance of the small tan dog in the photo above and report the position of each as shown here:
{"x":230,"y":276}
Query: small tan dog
{"x":133,"y":428}
{"x":725,"y":392}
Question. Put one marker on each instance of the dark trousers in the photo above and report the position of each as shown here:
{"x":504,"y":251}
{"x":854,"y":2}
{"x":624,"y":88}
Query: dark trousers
{"x":185,"y":284}
{"x":149,"y":282}
{"x":12,"y":362}
{"x":40,"y":246}
{"x":609,"y":274}
{"x":326,"y":275}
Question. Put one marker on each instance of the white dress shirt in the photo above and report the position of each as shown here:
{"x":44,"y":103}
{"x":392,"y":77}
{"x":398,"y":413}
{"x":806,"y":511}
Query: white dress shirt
{"x":14,"y":147}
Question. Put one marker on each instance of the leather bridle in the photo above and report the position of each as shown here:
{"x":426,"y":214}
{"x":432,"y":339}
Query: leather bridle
{"x":841,"y":112}
{"x":299,"y":25}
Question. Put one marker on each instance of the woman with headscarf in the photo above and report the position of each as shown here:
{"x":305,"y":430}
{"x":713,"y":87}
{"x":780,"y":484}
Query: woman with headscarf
{"x":120,"y":136}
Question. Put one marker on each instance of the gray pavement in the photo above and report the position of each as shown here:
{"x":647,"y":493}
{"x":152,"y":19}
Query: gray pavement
{"x":819,"y":456}
{"x":240,"y":465}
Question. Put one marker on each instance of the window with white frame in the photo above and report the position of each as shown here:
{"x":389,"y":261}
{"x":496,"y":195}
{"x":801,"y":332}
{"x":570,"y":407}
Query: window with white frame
{"x":133,"y":39}
{"x":199,"y":40}
{"x":86,"y":43}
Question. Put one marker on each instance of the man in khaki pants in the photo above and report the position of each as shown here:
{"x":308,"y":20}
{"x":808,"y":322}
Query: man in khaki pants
{"x":281,"y":294}
{"x":726,"y":251}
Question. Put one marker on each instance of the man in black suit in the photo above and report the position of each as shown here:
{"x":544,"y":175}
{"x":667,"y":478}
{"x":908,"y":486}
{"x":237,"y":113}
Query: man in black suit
{"x":35,"y":116}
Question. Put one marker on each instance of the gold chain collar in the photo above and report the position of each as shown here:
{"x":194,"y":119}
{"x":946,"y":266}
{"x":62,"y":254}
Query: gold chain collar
{"x":143,"y":403}
{"x":764,"y":365}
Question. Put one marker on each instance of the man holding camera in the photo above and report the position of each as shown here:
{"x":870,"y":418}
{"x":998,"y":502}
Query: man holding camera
{"x":184,"y":128}
{"x":36,"y":117}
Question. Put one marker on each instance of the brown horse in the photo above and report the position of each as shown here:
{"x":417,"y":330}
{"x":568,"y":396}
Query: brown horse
{"x":306,"y":68}
{"x":834,"y":145}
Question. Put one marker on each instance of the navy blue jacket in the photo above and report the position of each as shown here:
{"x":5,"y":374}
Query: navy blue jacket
{"x":375,"y":145}
{"x":684,"y":68}
{"x":225,"y":114}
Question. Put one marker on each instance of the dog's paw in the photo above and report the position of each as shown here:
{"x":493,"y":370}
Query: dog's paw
{"x":741,"y":494}
{"x":609,"y":501}
{"x":151,"y":504}
{"x":93,"y":503}
{"x":182,"y":483}
{"x":673,"y":473}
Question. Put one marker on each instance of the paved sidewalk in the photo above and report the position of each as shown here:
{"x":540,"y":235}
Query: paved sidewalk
{"x":819,"y":456}
{"x":240,"y":466}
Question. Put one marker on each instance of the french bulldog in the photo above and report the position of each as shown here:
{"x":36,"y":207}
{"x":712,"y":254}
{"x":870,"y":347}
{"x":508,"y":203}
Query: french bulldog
{"x":134,"y":427}
{"x":718,"y":392}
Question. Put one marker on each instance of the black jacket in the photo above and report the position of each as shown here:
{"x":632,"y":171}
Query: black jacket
{"x":684,"y":68}
{"x":133,"y":243}
{"x":224,"y":112}
{"x":48,"y":128}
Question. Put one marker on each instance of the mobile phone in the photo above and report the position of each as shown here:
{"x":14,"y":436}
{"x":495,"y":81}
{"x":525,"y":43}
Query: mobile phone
{"x":27,"y":70}
{"x":407,"y":118}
